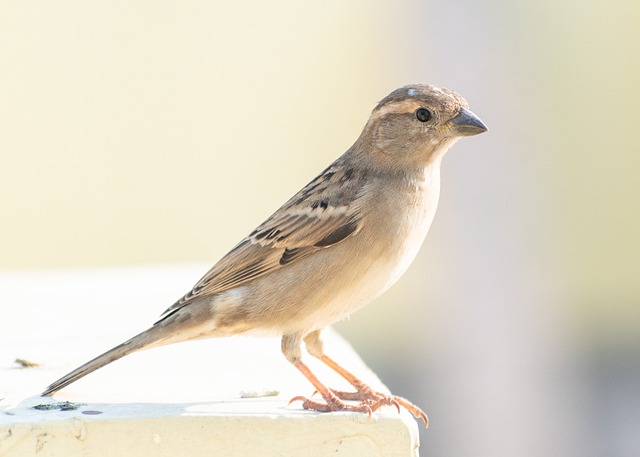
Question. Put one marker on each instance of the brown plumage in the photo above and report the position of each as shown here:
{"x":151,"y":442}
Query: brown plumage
{"x":336,"y":245}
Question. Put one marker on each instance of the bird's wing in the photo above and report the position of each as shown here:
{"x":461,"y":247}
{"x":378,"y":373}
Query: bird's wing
{"x":325,"y":212}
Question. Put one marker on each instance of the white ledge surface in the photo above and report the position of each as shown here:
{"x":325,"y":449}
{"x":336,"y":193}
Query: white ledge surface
{"x":223,"y":397}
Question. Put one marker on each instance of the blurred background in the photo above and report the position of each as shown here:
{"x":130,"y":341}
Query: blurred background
{"x":160,"y":133}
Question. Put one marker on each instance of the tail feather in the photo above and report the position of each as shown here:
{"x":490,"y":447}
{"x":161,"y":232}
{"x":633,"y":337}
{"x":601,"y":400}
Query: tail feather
{"x":146,"y":339}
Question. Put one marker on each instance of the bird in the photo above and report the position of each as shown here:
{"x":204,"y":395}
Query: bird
{"x":335,"y":246}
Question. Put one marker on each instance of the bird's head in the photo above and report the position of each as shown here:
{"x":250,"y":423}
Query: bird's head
{"x":416,"y":124}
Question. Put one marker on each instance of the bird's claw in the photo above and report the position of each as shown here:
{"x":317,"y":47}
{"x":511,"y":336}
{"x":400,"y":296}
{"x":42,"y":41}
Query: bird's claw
{"x":374,"y":398}
{"x":295,"y":399}
{"x":369,"y":399}
{"x":334,"y":404}
{"x":413,"y":409}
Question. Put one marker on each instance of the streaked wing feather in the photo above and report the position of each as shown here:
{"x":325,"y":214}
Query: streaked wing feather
{"x":323,"y":213}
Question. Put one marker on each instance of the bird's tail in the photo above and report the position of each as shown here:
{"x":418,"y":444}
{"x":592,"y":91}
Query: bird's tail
{"x":154,"y":336}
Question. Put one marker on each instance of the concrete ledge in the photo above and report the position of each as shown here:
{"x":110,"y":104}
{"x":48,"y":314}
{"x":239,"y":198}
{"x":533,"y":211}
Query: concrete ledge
{"x":203,"y":429}
{"x":215,"y":397}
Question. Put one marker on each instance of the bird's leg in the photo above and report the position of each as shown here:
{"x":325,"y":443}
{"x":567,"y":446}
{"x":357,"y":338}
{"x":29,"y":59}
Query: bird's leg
{"x":291,"y":350}
{"x":364,"y":393}
{"x":332,"y":401}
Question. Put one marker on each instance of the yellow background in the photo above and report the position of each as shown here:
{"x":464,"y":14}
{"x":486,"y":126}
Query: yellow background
{"x":161,"y":132}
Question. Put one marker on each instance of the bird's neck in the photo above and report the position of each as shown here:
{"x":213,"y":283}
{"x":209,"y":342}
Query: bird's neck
{"x":425,"y":176}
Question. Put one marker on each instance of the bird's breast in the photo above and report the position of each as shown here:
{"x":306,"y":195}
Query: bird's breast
{"x":385,"y":247}
{"x":410,"y":217}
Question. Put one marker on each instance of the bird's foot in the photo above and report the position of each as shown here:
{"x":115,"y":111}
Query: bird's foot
{"x":333,"y":403}
{"x":369,"y":401}
{"x":365,"y":393}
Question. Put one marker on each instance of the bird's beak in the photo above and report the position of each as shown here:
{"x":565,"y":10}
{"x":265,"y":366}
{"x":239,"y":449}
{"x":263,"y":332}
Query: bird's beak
{"x":467,"y":124}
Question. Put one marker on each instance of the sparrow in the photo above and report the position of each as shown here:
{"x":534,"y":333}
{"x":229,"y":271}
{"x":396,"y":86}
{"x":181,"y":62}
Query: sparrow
{"x":335,"y":246}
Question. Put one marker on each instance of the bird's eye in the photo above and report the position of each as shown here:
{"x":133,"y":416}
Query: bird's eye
{"x":423,"y":114}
